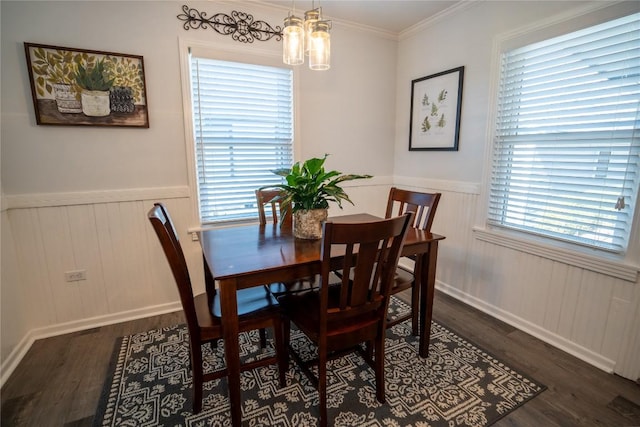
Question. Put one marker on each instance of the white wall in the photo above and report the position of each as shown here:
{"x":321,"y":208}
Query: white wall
{"x":76,"y":197}
{"x":573,"y":302}
{"x":333,"y":106}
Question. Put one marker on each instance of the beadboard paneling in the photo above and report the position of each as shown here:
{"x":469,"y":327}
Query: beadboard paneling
{"x":587,"y":313}
{"x":126,"y":270}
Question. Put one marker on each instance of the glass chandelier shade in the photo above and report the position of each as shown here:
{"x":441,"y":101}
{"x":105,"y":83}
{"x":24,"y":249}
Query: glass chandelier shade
{"x":310,"y":17}
{"x":320,"y":46}
{"x":310,"y":37}
{"x":293,"y":41}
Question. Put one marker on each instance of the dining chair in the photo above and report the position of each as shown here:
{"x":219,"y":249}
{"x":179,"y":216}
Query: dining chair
{"x":424,"y":206}
{"x":282,"y":216}
{"x":257,"y":309}
{"x":279,"y":211}
{"x":339,"y":317}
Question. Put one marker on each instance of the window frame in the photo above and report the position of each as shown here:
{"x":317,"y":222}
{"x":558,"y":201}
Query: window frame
{"x":232,"y":53}
{"x":621,"y":265}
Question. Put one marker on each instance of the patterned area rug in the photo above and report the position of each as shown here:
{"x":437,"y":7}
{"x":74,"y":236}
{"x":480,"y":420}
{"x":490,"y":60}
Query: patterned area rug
{"x":459,"y":384}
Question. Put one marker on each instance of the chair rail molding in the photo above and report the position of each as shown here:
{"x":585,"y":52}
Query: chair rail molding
{"x":438,"y":184}
{"x":41,"y":200}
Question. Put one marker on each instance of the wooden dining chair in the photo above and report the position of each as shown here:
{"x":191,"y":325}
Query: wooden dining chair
{"x":257,"y":309}
{"x":424,"y":206}
{"x":279,"y":211}
{"x":282,"y":216}
{"x":340,"y":316}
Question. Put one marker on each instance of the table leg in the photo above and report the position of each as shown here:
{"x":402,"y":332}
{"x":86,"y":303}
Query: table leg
{"x":229,"y":308}
{"x":427,"y":291}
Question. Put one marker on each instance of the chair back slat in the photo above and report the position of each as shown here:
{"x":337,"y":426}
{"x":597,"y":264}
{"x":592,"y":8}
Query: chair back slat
{"x":372,"y":251}
{"x":280,"y":211}
{"x":345,"y":289}
{"x":422,"y":204}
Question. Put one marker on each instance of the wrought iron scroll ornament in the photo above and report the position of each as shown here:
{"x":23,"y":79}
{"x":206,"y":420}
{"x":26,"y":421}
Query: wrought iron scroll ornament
{"x":239,"y":25}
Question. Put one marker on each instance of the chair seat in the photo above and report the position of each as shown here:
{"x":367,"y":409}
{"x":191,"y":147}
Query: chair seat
{"x":402,"y":280}
{"x":303,"y":309}
{"x":279,"y":289}
{"x":302,"y":285}
{"x":250,"y":301}
{"x":255,"y":308}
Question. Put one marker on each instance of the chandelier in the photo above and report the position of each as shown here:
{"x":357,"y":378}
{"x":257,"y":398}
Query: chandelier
{"x":309,"y":37}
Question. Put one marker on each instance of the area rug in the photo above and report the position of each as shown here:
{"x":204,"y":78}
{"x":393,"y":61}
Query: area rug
{"x":459,"y":384}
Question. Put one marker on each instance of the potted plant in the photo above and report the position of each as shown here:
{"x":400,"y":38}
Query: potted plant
{"x":126,"y":72}
{"x":95,"y":89}
{"x":54,"y":72}
{"x":308,"y":191}
{"x":128,"y":83}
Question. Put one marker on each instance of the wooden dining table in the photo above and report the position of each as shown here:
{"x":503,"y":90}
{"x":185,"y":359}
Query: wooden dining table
{"x":253,"y":255}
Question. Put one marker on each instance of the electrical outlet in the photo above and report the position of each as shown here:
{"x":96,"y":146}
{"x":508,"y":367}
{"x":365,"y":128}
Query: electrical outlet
{"x":75,"y":275}
{"x":194,"y":237}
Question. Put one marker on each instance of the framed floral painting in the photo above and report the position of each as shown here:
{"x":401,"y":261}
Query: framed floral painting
{"x":77,"y":87}
{"x":436,"y":103}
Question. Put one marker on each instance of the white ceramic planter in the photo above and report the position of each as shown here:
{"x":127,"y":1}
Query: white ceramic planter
{"x":95,"y":103}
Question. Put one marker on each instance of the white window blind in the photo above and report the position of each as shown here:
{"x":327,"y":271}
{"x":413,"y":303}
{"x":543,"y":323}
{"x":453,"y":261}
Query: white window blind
{"x":243,"y":125}
{"x":567,"y":138}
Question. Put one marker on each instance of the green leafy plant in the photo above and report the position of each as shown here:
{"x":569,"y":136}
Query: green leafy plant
{"x":93,"y":79}
{"x":426,"y":125}
{"x":54,"y":67}
{"x":309,"y":186}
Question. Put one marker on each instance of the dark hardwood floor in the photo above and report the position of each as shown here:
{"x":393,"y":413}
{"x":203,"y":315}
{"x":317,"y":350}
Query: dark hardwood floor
{"x":59,"y":381}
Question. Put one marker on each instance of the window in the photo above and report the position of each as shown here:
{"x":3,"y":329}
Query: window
{"x":567,"y":138}
{"x":243,"y":129}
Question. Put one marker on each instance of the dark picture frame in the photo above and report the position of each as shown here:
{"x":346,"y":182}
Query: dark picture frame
{"x":436,"y":103}
{"x":80,"y":87}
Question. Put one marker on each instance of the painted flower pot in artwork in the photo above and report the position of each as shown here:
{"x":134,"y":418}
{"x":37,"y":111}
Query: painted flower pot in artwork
{"x":121,"y":99}
{"x":66,"y":99}
{"x":95,"y":103}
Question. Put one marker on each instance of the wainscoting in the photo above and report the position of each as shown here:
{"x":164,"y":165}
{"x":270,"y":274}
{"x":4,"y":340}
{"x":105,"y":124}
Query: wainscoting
{"x":127,"y":276}
{"x":592,"y":315}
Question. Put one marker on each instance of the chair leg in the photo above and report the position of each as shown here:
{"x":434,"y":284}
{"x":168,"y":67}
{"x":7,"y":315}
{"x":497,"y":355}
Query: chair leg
{"x":213,"y":344}
{"x":263,"y":337}
{"x":379,"y":368}
{"x":415,"y":298}
{"x":197,"y":374}
{"x":281,"y":338}
{"x":368,"y":350}
{"x":322,"y":387}
{"x":286,"y":325}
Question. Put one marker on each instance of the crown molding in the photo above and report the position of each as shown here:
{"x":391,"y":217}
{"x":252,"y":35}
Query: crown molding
{"x":420,"y":26}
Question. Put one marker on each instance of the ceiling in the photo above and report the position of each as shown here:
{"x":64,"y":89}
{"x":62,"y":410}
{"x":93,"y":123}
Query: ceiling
{"x":390,"y":15}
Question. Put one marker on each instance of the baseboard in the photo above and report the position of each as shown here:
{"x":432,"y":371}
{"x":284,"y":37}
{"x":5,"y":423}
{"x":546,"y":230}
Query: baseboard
{"x":18,"y":353}
{"x":555,"y":340}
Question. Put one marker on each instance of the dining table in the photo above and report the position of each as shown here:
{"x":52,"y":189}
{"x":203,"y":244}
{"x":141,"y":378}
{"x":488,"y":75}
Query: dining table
{"x":243,"y":256}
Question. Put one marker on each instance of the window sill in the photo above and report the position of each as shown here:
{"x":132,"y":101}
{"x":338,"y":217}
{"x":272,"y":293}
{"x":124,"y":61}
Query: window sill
{"x":599,"y":264}
{"x":222,"y":224}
